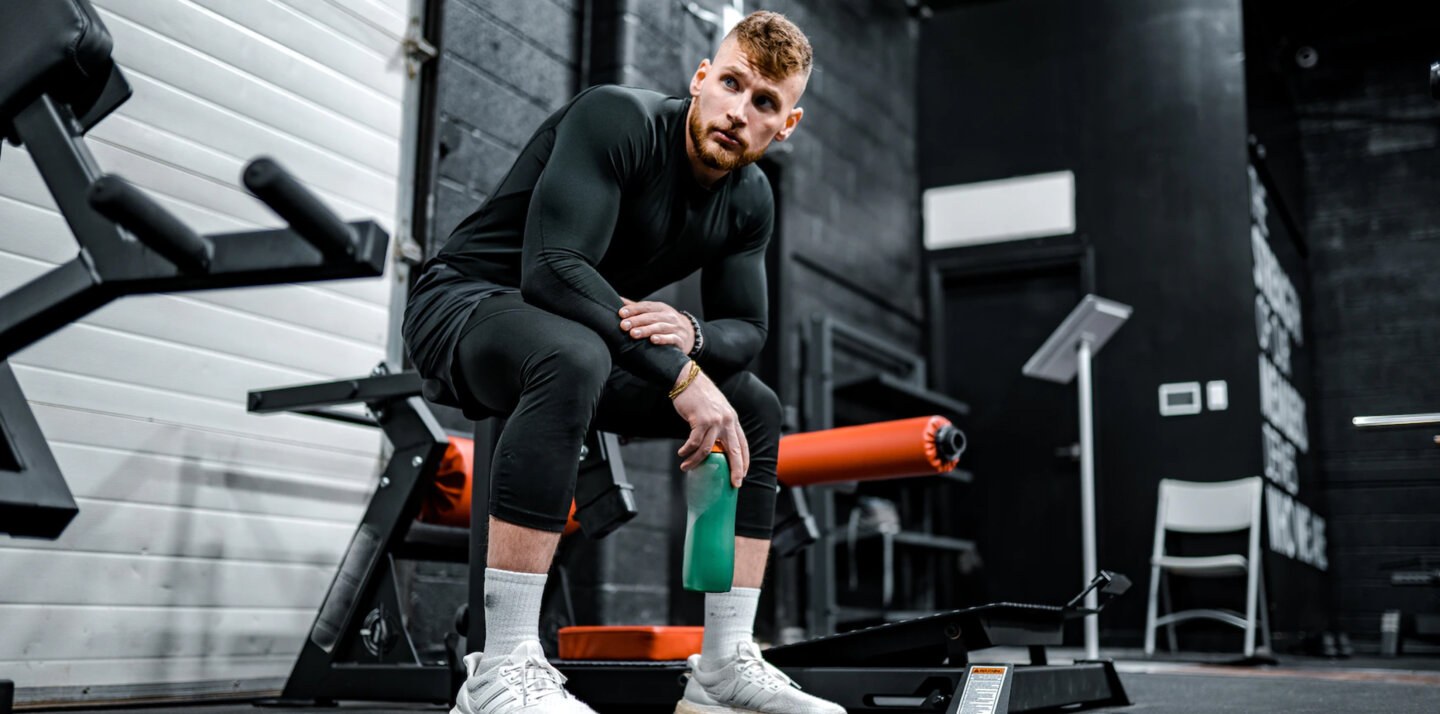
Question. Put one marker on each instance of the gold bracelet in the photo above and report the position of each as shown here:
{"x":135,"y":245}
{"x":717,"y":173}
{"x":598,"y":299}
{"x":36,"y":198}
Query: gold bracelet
{"x":694,"y":372}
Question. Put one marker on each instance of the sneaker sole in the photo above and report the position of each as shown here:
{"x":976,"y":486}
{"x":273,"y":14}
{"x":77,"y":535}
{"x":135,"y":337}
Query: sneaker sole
{"x":686,"y":706}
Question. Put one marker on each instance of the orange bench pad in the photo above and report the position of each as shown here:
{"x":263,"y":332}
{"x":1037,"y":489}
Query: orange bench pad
{"x":633,"y":643}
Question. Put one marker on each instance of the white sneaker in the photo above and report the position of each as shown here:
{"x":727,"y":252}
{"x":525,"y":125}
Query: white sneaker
{"x":747,"y":684}
{"x":521,"y":683}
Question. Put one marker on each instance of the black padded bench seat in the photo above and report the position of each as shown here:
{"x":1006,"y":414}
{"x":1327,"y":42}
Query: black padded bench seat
{"x":58,"y":47}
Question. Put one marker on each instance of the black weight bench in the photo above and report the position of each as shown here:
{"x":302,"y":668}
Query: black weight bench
{"x":358,"y":647}
{"x":925,"y":664}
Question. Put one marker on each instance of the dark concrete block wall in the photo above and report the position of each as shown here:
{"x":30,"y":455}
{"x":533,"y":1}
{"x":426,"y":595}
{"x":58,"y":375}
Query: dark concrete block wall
{"x":850,"y":182}
{"x":847,"y":178}
{"x":504,"y":67}
{"x":1371,"y":140}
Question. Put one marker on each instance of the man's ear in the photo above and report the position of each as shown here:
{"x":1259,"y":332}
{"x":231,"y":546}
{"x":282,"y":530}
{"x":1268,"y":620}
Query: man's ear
{"x":700,"y":73}
{"x":790,"y":123}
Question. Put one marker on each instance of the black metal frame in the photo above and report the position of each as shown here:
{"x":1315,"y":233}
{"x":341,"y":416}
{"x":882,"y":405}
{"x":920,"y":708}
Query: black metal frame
{"x":338,"y":661}
{"x":129,"y":245}
{"x":359,"y":647}
{"x":34,"y":498}
{"x":917,"y":665}
{"x":903,"y":385}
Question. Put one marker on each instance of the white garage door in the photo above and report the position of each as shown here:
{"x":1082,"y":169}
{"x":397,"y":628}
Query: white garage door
{"x":206,"y":536}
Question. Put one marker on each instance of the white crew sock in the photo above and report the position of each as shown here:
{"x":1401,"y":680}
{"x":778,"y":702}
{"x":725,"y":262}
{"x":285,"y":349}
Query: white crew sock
{"x":729,"y":621}
{"x":512,"y":611}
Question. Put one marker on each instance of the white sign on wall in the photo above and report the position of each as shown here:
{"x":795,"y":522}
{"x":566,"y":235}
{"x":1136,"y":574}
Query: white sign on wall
{"x":994,"y":211}
{"x":1295,"y":531}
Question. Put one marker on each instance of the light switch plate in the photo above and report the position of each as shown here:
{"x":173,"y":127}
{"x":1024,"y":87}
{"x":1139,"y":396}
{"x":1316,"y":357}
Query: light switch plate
{"x":1217,"y":395}
{"x":1180,"y":398}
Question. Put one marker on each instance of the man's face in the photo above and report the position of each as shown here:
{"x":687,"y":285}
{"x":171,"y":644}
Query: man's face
{"x":737,"y":111}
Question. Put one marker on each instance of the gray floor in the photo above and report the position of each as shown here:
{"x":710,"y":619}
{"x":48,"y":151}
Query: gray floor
{"x":1198,"y":693}
{"x":1292,"y":685}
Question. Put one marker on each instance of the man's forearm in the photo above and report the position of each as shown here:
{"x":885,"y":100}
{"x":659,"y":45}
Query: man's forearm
{"x":569,"y":287}
{"x":729,"y":344}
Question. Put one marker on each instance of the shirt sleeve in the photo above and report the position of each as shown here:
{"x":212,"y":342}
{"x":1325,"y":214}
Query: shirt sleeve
{"x":734,"y":295}
{"x":598,"y":146}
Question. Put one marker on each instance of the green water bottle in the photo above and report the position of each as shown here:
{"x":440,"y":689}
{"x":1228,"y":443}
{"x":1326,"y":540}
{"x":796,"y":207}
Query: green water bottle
{"x":710,"y":526}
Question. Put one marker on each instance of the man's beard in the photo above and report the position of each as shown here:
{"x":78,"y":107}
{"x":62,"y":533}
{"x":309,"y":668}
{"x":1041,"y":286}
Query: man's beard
{"x":712,"y":153}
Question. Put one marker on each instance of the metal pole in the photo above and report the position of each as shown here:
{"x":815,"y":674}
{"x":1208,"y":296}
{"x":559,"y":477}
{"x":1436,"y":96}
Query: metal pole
{"x":1087,"y":499}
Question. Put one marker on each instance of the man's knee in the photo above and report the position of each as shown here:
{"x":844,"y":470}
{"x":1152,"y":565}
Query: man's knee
{"x":579,"y":365}
{"x":753,"y":400}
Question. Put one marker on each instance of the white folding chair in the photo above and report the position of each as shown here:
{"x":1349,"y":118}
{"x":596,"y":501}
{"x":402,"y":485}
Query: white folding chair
{"x":1190,"y":507}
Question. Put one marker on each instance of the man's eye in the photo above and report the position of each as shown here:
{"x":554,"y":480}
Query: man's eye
{"x":765,"y":102}
{"x":729,"y":81}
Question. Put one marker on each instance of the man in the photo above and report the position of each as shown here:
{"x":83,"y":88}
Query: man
{"x":523,"y":312}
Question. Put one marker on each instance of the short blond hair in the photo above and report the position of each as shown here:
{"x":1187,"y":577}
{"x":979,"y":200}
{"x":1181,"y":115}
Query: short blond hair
{"x":773,"y":44}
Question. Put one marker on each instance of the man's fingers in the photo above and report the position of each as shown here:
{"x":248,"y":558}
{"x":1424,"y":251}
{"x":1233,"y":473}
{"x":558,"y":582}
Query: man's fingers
{"x":696,"y":457}
{"x":658,"y":328}
{"x":735,"y":454}
{"x":694,"y":449}
{"x":641,"y":320}
{"x":691,"y":444}
{"x":648,"y":324}
{"x":648,"y":307}
{"x":632,"y":309}
{"x":641,"y":333}
{"x":666,"y":340}
{"x":745,"y":449}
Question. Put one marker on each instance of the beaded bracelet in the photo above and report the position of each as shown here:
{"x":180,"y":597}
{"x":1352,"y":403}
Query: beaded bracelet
{"x":699,"y":336}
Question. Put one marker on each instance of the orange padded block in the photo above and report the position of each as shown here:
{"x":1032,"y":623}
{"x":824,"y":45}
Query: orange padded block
{"x":634,"y":643}
{"x":887,"y":449}
{"x":447,"y":501}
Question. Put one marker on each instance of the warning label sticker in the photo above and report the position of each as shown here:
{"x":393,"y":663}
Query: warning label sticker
{"x":983,"y":686}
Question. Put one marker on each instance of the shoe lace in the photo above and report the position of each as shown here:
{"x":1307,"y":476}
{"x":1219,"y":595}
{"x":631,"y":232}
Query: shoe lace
{"x":768,"y":676}
{"x":534,"y":678}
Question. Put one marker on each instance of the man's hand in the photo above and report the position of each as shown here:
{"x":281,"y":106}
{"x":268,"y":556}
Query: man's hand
{"x":711,"y":419}
{"x":662,"y":324}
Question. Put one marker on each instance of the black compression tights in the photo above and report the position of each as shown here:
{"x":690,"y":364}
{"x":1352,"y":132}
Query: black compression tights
{"x":554,"y":378}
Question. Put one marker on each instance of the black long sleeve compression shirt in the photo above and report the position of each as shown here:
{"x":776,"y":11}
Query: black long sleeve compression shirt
{"x":601,"y":202}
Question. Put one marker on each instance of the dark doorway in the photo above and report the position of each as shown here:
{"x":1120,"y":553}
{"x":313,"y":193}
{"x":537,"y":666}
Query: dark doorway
{"x":996,"y":304}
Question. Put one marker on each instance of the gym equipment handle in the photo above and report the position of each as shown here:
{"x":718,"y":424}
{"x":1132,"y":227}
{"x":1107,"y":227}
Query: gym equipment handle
{"x":301,"y":209}
{"x":118,"y":200}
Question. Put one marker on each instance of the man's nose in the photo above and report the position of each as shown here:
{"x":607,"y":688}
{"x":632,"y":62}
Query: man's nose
{"x":735,"y":111}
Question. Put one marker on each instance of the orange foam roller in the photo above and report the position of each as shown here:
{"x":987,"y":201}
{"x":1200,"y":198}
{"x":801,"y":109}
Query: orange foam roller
{"x":922,"y":446}
{"x":447,"y":503}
